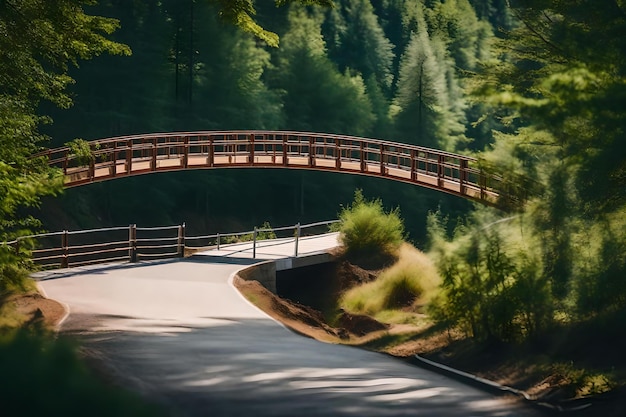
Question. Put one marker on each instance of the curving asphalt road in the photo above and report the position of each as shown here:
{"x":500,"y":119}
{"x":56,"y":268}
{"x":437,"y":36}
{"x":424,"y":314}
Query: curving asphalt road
{"x":179,"y":333}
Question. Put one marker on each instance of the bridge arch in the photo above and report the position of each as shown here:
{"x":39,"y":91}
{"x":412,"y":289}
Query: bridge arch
{"x":125,"y":156}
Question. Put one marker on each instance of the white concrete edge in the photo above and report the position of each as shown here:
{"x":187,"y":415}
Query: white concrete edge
{"x":476,"y":378}
{"x":486,"y":383}
{"x":66,"y":307}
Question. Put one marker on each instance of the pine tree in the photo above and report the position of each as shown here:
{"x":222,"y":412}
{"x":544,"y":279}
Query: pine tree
{"x":317,"y":96}
{"x":231,"y":91}
{"x":424,"y":113}
{"x":359,"y":42}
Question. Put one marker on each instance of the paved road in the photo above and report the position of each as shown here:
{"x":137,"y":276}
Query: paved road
{"x":178,"y":332}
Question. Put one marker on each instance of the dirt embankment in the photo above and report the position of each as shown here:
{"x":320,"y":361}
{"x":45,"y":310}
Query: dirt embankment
{"x":353,"y":329}
{"x":529,"y":369}
{"x":306,"y":320}
{"x":19,"y":310}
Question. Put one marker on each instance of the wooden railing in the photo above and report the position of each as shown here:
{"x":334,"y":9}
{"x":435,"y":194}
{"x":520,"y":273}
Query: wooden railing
{"x":67,"y":249}
{"x":142,"y":154}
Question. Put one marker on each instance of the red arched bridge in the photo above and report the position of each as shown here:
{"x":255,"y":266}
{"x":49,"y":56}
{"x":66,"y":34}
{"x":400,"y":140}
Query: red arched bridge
{"x":141,"y":154}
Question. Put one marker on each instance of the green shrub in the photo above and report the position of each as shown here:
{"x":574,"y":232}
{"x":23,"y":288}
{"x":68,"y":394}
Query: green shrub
{"x":493,"y":286}
{"x":601,"y":285}
{"x":13,"y":279}
{"x":81,"y":150}
{"x":42,"y":375}
{"x":265,"y":234}
{"x":14,"y":275}
{"x":366,"y":230}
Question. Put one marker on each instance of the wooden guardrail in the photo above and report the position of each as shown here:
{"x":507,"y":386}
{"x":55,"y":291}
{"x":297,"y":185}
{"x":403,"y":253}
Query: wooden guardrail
{"x":67,"y":249}
{"x":140,"y":154}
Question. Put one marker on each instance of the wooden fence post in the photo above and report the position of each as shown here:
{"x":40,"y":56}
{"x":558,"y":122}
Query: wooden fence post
{"x":362,"y":157}
{"x":251,"y":148}
{"x":129,"y":156}
{"x":463,"y":177}
{"x":132,"y":243}
{"x":65,"y":262}
{"x":181,"y":241}
{"x":295,"y":254}
{"x":185,"y":152}
{"x":440,"y":171}
{"x":254,"y":234}
{"x":312,"y":152}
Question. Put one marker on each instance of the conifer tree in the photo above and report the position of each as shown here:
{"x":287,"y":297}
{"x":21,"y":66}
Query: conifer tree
{"x":359,"y":42}
{"x":314,"y":87}
{"x":424,"y":114}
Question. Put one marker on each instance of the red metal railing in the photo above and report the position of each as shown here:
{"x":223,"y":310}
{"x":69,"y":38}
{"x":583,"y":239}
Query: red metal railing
{"x":141,"y":154}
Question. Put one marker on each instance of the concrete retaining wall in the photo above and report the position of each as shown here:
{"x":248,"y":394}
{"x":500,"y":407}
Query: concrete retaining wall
{"x":265,"y":272}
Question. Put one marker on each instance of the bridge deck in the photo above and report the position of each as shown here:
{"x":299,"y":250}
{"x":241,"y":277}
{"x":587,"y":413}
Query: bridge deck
{"x":274,"y":248}
{"x":142,"y":154}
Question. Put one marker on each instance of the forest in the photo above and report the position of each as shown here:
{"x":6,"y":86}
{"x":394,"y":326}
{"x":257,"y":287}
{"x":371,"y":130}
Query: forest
{"x":347,"y":69}
{"x":536,"y":89}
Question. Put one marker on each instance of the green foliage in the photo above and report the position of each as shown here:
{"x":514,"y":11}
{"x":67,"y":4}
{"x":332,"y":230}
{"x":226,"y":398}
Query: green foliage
{"x":81,"y":151}
{"x":38,"y":43}
{"x":493,"y":285}
{"x":465,"y":35}
{"x":42,"y":374}
{"x":366,"y":230}
{"x":240,"y":13}
{"x":389,"y":292}
{"x":41,"y":39}
{"x":564,"y":72}
{"x":424,"y":108}
{"x":14,"y":274}
{"x":266,"y":232}
{"x":22,"y":180}
{"x":357,"y":41}
{"x":582,"y":381}
{"x":314,"y":87}
{"x":601,"y":286}
{"x":497,"y":12}
{"x":558,"y":86}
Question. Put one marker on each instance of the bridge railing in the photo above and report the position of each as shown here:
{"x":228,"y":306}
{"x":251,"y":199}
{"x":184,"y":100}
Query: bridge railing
{"x":66,"y":249}
{"x":131,"y":155}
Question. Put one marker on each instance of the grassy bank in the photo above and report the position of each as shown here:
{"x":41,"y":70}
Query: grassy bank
{"x":400,"y":292}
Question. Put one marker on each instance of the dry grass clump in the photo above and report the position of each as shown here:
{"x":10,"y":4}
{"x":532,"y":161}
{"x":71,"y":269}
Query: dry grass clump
{"x":406,"y":285}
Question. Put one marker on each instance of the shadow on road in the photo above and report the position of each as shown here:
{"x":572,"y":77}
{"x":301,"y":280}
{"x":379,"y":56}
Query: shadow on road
{"x":245,"y":367}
